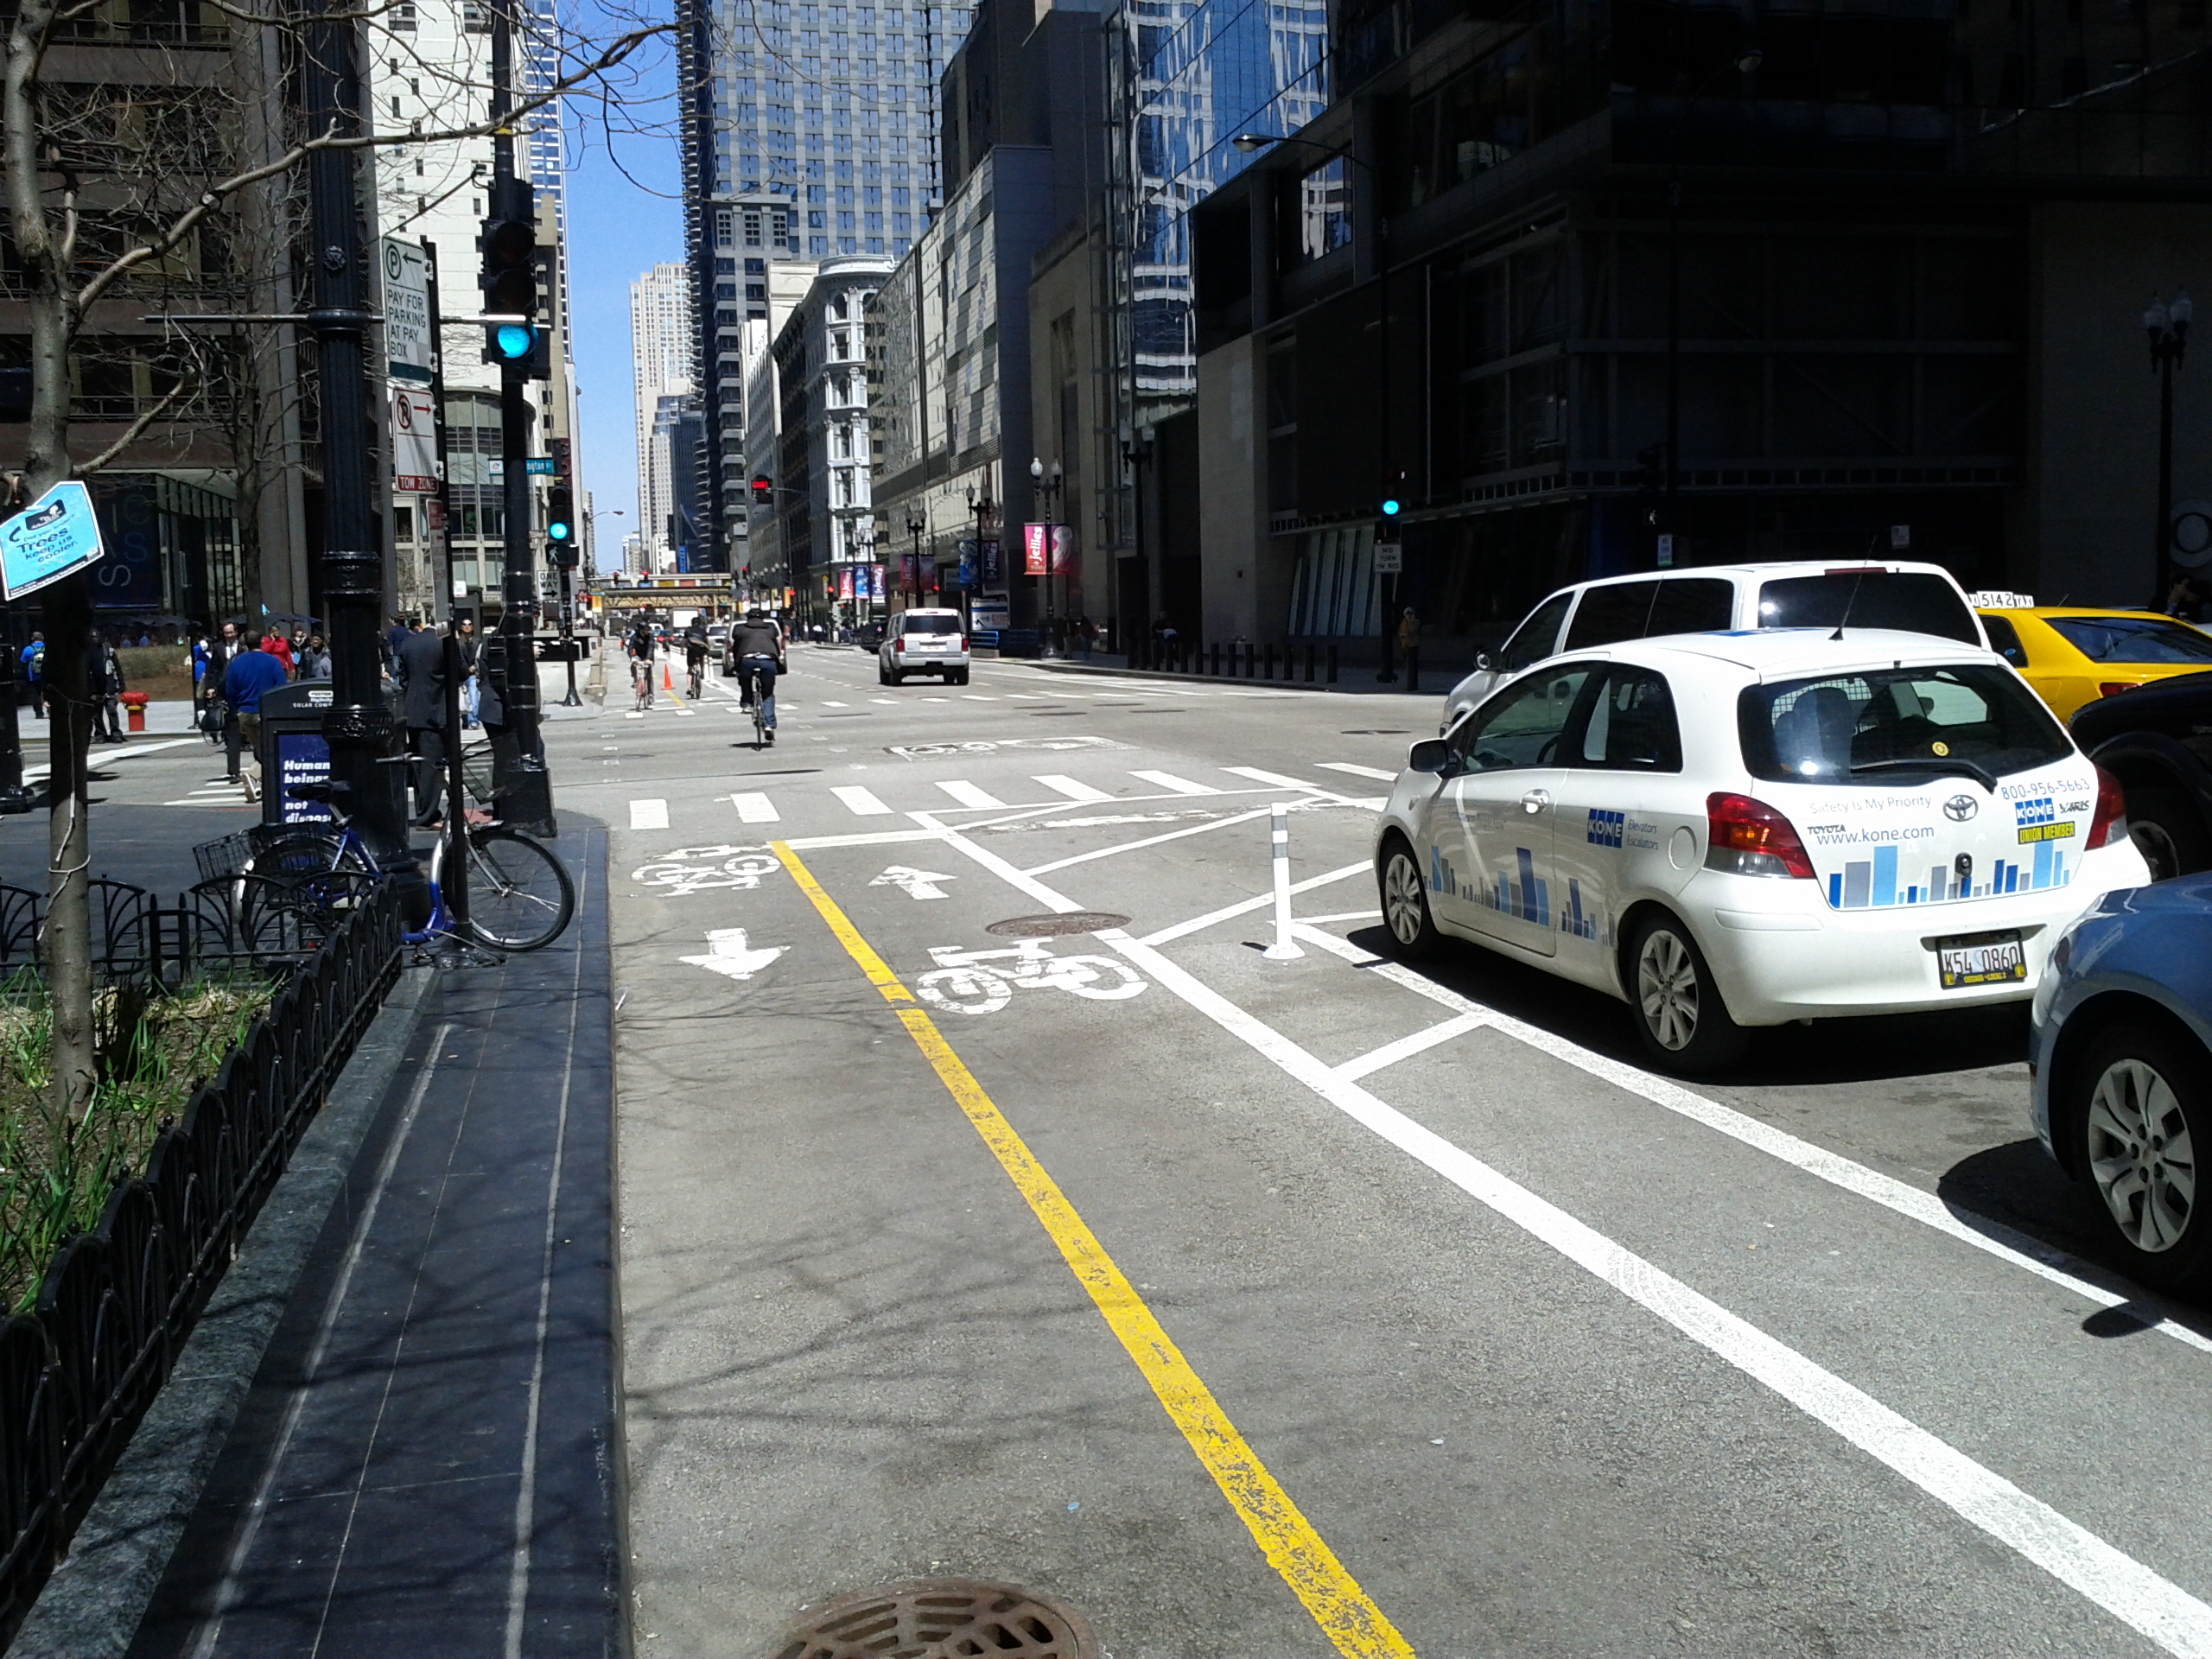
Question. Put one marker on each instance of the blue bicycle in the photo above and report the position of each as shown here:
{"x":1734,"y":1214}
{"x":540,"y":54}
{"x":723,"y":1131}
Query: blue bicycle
{"x":520,"y":897}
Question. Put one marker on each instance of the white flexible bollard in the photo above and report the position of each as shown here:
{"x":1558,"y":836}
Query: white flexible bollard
{"x":1283,"y":950}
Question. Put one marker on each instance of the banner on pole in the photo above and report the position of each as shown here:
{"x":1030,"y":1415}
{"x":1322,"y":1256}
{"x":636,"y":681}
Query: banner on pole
{"x":1036,"y":551}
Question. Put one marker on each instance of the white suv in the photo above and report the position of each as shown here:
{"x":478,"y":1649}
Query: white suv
{"x":923,"y":642}
{"x":1714,"y":598}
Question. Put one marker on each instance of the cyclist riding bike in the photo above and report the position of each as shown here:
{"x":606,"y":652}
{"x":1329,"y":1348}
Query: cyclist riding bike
{"x":756,"y":644}
{"x":694,"y":653}
{"x":640,"y":646}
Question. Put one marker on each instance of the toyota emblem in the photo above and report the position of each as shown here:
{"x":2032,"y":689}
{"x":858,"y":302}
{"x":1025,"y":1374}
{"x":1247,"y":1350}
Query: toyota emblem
{"x":1959,"y":808}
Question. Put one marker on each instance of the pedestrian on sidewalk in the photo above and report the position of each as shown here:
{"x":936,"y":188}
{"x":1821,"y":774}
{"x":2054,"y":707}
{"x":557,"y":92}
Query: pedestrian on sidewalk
{"x":34,"y":660}
{"x":421,"y":671}
{"x":274,"y":645}
{"x":107,"y":688}
{"x":250,"y":673}
{"x":217,"y":718}
{"x":314,"y":660}
{"x":472,"y":688}
{"x":1408,"y":634}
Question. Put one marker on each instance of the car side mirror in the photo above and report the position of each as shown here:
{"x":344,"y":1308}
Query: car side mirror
{"x":1431,"y":754}
{"x":1482,"y":660}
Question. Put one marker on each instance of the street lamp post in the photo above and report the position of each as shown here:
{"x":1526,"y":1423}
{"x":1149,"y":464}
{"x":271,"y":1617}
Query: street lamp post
{"x":915,"y":526}
{"x":982,"y":505}
{"x":2167,"y":326}
{"x":1051,"y":486}
{"x":1744,"y":63}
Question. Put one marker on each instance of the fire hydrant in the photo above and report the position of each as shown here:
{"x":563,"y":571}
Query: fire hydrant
{"x":134,"y":702}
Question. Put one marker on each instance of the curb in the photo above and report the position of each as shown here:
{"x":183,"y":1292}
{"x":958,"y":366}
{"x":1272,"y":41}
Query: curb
{"x":92,"y":1607}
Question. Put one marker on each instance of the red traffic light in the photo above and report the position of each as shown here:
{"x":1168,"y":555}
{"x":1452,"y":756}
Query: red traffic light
{"x":764,"y":490}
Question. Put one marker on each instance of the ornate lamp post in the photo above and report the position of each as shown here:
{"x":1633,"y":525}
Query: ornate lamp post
{"x":2166,"y":323}
{"x":982,"y":506}
{"x":1049,"y":485}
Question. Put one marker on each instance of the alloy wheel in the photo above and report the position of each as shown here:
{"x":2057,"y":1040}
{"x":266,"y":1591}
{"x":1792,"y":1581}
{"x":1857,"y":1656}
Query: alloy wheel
{"x":2140,"y":1155}
{"x":1667,"y":989}
{"x":2156,"y":842}
{"x":1402,"y":900}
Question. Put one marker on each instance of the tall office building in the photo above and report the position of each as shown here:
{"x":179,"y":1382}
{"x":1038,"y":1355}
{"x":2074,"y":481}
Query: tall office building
{"x":810,"y":132}
{"x":662,"y":344}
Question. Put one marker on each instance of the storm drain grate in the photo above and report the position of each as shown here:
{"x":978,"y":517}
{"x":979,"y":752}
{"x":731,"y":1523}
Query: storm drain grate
{"x":1055,"y":927}
{"x":938,"y":1619}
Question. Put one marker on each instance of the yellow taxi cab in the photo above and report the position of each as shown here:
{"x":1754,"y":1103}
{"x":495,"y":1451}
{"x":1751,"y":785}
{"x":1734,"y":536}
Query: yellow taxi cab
{"x":2074,"y":654}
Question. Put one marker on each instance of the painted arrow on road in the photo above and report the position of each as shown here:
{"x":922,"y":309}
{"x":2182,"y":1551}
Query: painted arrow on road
{"x":920,"y":884}
{"x":728,"y":955}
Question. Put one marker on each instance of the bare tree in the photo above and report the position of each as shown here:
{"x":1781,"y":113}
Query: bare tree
{"x":119,"y":193}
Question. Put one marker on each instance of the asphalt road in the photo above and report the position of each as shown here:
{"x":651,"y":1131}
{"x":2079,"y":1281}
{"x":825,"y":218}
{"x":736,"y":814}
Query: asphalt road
{"x":1257,"y":1307}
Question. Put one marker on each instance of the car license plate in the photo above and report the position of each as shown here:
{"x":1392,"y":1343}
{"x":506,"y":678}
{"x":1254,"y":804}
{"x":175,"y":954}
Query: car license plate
{"x":1983,"y":959}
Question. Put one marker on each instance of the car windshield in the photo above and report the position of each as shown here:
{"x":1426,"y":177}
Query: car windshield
{"x":1880,"y":726}
{"x":1913,"y":601}
{"x":948,"y":623}
{"x":2133,"y":638}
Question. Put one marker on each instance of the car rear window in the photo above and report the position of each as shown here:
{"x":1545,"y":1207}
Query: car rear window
{"x":2133,"y":638}
{"x":1914,"y":601}
{"x":948,"y":623}
{"x":1872,"y":728}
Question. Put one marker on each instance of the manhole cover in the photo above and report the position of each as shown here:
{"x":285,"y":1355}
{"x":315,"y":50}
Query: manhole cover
{"x":1055,"y":927}
{"x":1377,"y":731}
{"x":938,"y":1619}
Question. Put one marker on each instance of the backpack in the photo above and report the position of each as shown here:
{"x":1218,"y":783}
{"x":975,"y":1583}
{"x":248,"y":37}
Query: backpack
{"x":38,"y":662}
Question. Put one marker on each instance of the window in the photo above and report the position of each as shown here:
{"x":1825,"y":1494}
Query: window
{"x":1522,"y":725}
{"x":402,"y":15}
{"x":474,"y":20}
{"x":1323,"y":212}
{"x":723,"y":226}
{"x":1868,"y":599}
{"x":1537,"y":638}
{"x":1637,"y":610}
{"x":2004,"y":641}
{"x":1631,"y":726}
{"x":2130,"y":639}
{"x":1881,"y":727}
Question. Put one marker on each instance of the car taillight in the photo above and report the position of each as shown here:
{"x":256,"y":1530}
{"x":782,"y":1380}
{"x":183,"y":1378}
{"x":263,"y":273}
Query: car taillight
{"x":960,"y":642}
{"x":2109,"y":823}
{"x":2114,"y":688}
{"x":1749,"y":837}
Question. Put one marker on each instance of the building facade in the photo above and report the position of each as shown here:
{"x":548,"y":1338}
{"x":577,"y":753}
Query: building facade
{"x":1913,"y":247}
{"x":809,"y":131}
{"x":663,"y":351}
{"x":827,"y":520}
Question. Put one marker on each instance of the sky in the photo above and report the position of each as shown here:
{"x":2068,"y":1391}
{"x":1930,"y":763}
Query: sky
{"x":625,"y":215}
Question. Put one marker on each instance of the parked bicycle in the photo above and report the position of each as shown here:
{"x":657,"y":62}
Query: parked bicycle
{"x":520,"y":897}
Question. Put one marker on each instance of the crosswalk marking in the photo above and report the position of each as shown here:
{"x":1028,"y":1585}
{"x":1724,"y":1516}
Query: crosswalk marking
{"x":826,"y":703}
{"x":863,"y":804}
{"x":754,"y":808}
{"x":1375,"y":772}
{"x":967,"y":794}
{"x":1168,"y":780}
{"x":649,"y":815}
{"x":1073,"y":790}
{"x":888,"y":702}
{"x":1273,"y":778}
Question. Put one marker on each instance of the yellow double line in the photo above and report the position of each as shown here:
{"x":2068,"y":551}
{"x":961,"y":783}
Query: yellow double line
{"x":1350,"y":1620}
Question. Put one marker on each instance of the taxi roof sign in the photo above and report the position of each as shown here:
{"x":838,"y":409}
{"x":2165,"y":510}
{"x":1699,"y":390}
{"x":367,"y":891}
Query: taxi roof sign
{"x":2000,"y":599}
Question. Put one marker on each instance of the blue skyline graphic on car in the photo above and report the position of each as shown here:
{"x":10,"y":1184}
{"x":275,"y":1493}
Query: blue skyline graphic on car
{"x":1874,"y":883}
{"x":1517,"y":891}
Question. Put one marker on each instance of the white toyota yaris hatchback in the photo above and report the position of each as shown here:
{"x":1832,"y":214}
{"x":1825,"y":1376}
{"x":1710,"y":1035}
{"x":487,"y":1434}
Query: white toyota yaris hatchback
{"x":1745,"y":829}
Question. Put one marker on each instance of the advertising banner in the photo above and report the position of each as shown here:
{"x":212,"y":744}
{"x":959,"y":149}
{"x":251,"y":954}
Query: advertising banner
{"x":845,"y":582}
{"x":968,"y":564}
{"x":994,"y":562}
{"x":55,"y":535}
{"x":1063,"y":550}
{"x":130,"y":577}
{"x":413,"y":440}
{"x":1035,"y":548}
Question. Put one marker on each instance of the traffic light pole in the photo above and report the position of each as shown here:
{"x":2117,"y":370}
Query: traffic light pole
{"x":358,"y":726}
{"x":523,"y":786}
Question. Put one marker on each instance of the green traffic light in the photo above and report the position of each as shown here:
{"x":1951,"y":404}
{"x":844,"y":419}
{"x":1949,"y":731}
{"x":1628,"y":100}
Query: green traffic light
{"x":514,"y":341}
{"x":1390,"y":508}
{"x":557,"y":531}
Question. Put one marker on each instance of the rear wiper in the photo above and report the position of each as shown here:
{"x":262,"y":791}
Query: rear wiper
{"x":1981,"y":775}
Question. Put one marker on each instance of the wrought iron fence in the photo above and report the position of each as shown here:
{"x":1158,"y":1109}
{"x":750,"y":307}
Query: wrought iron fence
{"x":77,"y":1372}
{"x":230,"y":923}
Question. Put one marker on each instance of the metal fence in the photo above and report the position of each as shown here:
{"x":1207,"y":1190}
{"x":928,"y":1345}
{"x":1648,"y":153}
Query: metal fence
{"x":77,"y":1373}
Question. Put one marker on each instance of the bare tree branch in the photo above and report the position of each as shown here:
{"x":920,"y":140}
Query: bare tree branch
{"x":136,"y":430}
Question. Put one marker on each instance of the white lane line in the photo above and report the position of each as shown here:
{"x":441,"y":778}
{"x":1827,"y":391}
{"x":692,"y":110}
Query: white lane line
{"x":1275,"y":780}
{"x":1375,"y":772}
{"x":1021,"y":696}
{"x":649,"y":815}
{"x":1342,"y":916}
{"x":1152,"y":841}
{"x":826,"y":703}
{"x":2076,"y":1557}
{"x":2005,"y":1243}
{"x":888,"y":702}
{"x":863,"y":803}
{"x":1406,"y":1047}
{"x":1062,"y":785}
{"x":967,"y":793}
{"x":1198,"y":923}
{"x":755,"y":808}
{"x":976,"y":697}
{"x":1168,"y":780}
{"x":879,"y":838}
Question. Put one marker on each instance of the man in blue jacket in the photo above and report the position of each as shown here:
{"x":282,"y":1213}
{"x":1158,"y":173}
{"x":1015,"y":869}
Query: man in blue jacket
{"x":252,"y":672}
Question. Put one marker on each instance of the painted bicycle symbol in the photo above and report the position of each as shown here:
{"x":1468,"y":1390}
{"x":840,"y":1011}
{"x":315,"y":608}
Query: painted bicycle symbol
{"x":983,"y":982}
{"x":698,"y":869}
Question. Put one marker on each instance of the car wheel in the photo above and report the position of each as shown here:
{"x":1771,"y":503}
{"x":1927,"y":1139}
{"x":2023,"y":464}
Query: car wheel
{"x":882,"y":674}
{"x":2168,"y":832}
{"x":2143,"y":1100}
{"x":1405,"y":902}
{"x":1685,"y":1025}
{"x":960,"y":677}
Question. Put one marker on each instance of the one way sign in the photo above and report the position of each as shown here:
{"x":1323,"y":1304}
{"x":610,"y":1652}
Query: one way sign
{"x":919,"y":884}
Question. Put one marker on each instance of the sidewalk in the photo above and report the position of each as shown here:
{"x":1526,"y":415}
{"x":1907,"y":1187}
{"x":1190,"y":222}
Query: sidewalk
{"x":427,"y":1461}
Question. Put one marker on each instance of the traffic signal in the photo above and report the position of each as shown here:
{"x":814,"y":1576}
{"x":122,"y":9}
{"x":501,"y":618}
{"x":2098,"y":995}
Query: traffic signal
{"x":764,"y":490}
{"x":509,"y":279}
{"x":1393,"y":492}
{"x":560,"y":521}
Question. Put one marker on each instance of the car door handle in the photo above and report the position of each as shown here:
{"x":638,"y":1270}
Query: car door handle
{"x":1535,"y":800}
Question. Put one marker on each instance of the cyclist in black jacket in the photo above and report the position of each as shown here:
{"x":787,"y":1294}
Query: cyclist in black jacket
{"x":756,"y":645}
